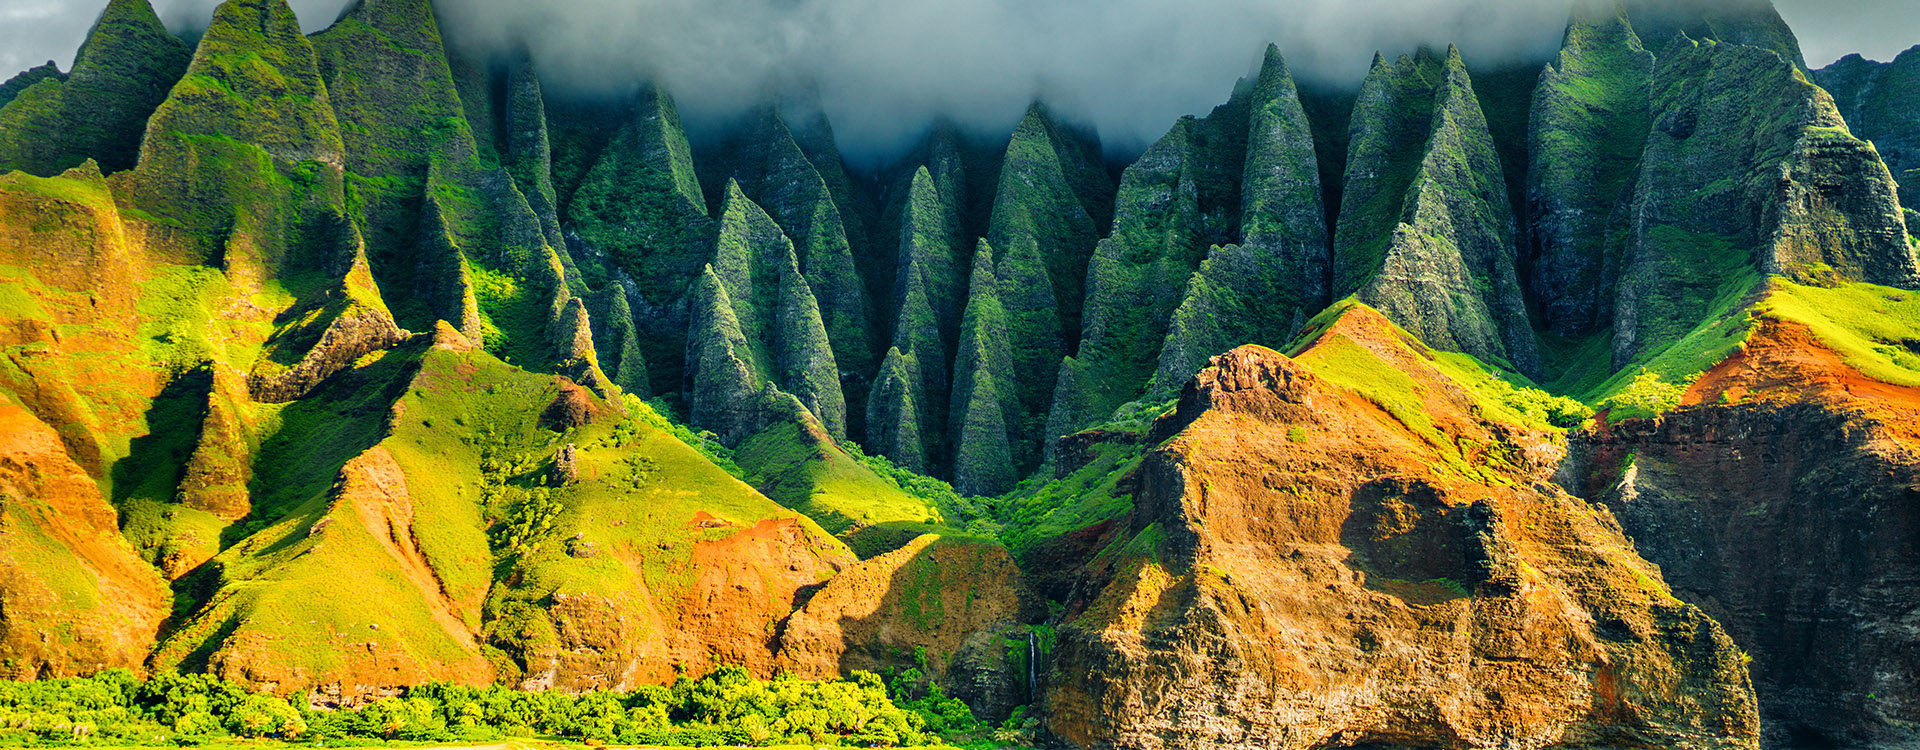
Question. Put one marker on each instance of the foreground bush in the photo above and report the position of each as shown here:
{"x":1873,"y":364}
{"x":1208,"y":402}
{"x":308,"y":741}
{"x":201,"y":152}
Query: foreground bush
{"x":726,"y":707}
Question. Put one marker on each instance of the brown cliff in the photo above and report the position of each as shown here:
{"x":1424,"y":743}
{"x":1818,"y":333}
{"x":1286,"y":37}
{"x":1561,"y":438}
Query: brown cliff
{"x":1783,"y":498}
{"x":1314,"y":566}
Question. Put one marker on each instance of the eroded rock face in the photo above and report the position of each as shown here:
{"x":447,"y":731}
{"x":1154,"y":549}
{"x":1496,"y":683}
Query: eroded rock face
{"x":1749,"y":167}
{"x":1306,"y":571}
{"x":74,"y":598}
{"x":1878,"y":102}
{"x":1788,"y":513}
{"x":935,"y":594}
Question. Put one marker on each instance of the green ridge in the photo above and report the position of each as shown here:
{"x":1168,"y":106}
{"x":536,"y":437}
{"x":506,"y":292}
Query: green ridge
{"x":893,"y":414}
{"x":1589,"y":128}
{"x":774,"y":171}
{"x":984,"y":411}
{"x":1045,"y":227}
{"x":771,"y":326}
{"x":27,"y":78}
{"x":98,"y":111}
{"x":640,"y":206}
{"x":1426,"y":231}
{"x":1245,"y":174}
{"x":1879,"y":103}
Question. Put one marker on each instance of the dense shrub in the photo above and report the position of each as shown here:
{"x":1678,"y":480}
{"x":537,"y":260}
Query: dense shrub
{"x":728,"y":707}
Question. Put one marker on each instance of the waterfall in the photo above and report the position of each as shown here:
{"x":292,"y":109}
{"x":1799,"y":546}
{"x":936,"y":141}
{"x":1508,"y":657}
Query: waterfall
{"x":1033,"y":668}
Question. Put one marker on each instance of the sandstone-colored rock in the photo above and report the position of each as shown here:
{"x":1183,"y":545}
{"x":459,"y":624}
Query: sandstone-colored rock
{"x":937,"y":595}
{"x":1303,"y":571}
{"x":74,"y":597}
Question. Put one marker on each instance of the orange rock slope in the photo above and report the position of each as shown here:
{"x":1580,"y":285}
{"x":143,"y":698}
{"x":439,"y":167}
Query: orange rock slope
{"x":1311,"y":567}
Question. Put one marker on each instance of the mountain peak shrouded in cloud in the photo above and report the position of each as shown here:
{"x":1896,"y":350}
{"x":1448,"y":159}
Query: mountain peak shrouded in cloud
{"x":882,"y":70}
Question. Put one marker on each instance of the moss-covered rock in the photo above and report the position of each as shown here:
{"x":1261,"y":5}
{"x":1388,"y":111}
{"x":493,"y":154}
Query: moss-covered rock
{"x":1245,"y":175}
{"x":618,"y":341}
{"x":985,"y":412}
{"x":392,"y":90}
{"x":754,"y":326}
{"x":1051,"y":203}
{"x":24,"y":79}
{"x":639,"y":205}
{"x":1587,"y":133}
{"x":1426,"y":231}
{"x":1754,"y":23}
{"x":1878,"y":101}
{"x":99,"y":111}
{"x":1749,"y":170}
{"x":779,"y":175}
{"x":893,"y":413}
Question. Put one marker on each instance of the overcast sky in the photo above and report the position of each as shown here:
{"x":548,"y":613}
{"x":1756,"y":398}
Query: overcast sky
{"x":883,"y":68}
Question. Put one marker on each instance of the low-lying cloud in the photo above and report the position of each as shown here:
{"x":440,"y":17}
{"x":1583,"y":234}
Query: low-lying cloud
{"x":883,"y":70}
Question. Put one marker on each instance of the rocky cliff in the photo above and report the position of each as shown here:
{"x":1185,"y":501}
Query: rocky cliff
{"x":1432,"y":586}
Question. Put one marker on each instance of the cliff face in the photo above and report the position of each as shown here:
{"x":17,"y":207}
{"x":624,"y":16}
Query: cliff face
{"x":1877,"y":100}
{"x":1588,"y":129}
{"x":1781,"y":500}
{"x":1475,"y":606}
{"x":1242,"y":178}
{"x":1426,"y":231}
{"x":1749,"y":170}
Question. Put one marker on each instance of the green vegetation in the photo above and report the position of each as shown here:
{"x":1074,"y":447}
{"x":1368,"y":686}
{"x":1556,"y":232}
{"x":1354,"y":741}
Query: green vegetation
{"x":1426,"y":232}
{"x":124,"y":69}
{"x":725,"y":707}
{"x":1588,"y":131}
{"x":985,"y":410}
{"x":1510,"y":397}
{"x":1049,"y":210}
{"x":780,"y":178}
{"x":1647,"y":395}
{"x":1244,"y":174}
{"x":1876,"y":329}
{"x":799,"y":469}
{"x":755,"y":332}
{"x":1043,"y":508}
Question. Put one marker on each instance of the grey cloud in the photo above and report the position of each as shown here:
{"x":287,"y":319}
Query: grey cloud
{"x":883,"y":69}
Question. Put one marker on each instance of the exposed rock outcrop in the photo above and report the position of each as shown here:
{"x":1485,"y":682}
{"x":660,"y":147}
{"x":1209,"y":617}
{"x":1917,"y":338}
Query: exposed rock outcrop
{"x":1420,"y":606}
{"x":936,"y":596}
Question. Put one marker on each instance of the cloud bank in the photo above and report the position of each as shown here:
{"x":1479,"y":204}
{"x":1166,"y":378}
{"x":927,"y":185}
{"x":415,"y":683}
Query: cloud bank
{"x":884,"y":69}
